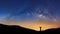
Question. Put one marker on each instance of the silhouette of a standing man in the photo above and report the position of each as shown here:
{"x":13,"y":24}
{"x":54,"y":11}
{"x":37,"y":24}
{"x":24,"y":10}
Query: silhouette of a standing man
{"x":40,"y":28}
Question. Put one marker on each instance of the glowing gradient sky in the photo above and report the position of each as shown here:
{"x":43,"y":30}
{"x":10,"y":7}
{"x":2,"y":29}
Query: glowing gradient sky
{"x":27,"y":11}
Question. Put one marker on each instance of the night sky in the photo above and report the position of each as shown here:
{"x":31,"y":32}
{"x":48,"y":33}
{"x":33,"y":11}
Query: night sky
{"x":29,"y":10}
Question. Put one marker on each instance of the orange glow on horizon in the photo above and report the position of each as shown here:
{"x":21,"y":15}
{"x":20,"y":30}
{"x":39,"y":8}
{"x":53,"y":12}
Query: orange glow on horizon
{"x":35,"y":26}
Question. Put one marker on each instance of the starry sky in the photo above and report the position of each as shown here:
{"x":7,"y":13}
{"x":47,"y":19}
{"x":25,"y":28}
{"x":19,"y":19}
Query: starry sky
{"x":29,"y":10}
{"x":25,"y":10}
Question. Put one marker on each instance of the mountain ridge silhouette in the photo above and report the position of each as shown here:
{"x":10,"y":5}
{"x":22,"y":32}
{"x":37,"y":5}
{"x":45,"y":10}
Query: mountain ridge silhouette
{"x":19,"y":29}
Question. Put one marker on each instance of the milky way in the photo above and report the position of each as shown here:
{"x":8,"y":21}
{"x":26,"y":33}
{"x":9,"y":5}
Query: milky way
{"x":31,"y":14}
{"x":25,"y":10}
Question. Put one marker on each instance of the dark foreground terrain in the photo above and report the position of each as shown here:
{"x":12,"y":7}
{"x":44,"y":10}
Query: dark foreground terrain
{"x":18,"y":29}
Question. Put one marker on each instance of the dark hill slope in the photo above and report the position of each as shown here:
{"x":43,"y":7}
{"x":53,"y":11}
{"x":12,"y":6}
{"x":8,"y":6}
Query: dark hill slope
{"x":19,"y":29}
